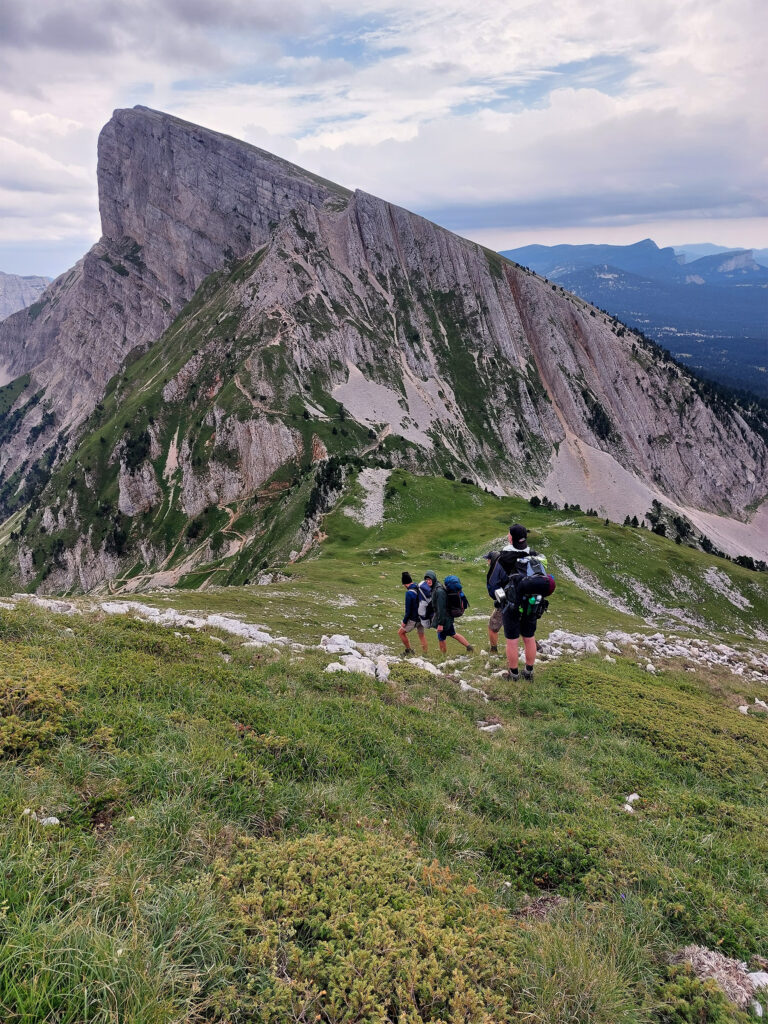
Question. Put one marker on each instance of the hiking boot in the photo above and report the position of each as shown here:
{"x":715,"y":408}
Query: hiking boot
{"x":408,"y":652}
{"x":493,"y":649}
{"x":511,"y":677}
{"x":527,"y":674}
{"x":469,"y":648}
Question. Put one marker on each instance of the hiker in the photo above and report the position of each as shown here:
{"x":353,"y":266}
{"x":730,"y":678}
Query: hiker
{"x":494,"y":623}
{"x":411,"y":618}
{"x":449,"y":603}
{"x":520,"y":572}
{"x":426,"y":606}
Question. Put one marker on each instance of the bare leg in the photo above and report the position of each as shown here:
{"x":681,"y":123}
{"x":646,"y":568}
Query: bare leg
{"x":423,"y":639}
{"x":404,"y":637}
{"x":512,"y":654}
{"x":462,"y":640}
{"x":493,"y":638}
{"x":529,"y":642}
{"x":441,"y":644}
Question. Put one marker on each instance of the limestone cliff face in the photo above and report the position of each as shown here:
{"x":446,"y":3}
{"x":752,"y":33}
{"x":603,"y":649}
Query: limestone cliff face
{"x":256,"y":448}
{"x":177,"y":202}
{"x":485,"y":357}
{"x":335,"y":322}
{"x":17,"y":292}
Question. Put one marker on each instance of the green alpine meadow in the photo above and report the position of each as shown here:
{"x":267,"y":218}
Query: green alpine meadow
{"x":244,"y":836}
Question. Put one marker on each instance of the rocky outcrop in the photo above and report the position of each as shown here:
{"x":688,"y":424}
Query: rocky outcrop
{"x":255,"y":449}
{"x":177,"y":202}
{"x":17,"y":292}
{"x":139,"y":490}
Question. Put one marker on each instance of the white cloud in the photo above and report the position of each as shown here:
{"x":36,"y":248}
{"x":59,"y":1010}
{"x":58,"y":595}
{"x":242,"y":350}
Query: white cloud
{"x":577,"y":112}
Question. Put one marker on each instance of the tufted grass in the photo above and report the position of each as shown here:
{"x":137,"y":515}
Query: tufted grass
{"x":259,"y":840}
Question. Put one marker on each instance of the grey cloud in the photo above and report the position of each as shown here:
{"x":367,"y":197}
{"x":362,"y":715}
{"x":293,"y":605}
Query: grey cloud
{"x":241,"y":14}
{"x":596,"y":209}
{"x":74,"y":28}
{"x":74,"y":31}
{"x":146,"y":25}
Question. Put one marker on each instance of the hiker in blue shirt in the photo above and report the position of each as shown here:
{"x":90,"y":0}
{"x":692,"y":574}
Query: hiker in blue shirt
{"x":411,"y":618}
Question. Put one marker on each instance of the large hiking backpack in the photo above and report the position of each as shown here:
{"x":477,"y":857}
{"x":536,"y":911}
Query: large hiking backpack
{"x":527,"y":591}
{"x":426,"y":607}
{"x":456,"y":602}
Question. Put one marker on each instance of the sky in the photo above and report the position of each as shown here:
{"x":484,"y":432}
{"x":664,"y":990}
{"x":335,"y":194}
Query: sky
{"x":509,"y":121}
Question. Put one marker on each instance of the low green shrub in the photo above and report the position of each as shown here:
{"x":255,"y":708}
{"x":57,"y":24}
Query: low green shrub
{"x":686,"y":1000}
{"x":360,"y":929}
{"x":33,"y":702}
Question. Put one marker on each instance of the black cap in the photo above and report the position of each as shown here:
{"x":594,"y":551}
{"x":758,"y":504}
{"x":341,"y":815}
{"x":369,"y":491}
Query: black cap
{"x":518,"y":534}
{"x":406,"y":579}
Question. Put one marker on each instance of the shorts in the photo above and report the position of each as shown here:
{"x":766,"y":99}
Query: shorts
{"x":494,"y":623}
{"x":449,"y":629}
{"x":515,"y":624}
{"x":412,"y":624}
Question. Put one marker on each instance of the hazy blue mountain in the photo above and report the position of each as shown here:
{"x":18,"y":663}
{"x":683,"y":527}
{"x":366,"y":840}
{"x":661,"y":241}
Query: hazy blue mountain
{"x":644,"y":258}
{"x":697,"y":249}
{"x":711,"y":312}
{"x":693,"y":252}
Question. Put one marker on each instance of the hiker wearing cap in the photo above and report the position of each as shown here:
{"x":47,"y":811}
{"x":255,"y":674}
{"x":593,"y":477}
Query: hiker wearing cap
{"x":495,"y":622}
{"x":411,"y":618}
{"x":512,"y":563}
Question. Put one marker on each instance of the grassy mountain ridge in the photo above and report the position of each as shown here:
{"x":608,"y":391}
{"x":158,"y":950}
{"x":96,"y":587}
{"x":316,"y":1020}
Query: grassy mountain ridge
{"x":244,"y":836}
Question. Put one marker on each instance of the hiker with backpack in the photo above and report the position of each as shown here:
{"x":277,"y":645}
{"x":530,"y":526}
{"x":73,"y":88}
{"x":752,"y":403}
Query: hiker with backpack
{"x":449,"y":604}
{"x":495,"y":622}
{"x":426,"y":605}
{"x":520,"y":582}
{"x":411,"y":619}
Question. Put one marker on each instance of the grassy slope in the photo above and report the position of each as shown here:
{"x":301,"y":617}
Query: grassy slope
{"x":259,"y":840}
{"x":448,"y":526}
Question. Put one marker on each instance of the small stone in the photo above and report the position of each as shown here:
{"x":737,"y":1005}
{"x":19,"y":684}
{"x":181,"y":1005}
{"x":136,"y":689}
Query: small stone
{"x":629,"y":808}
{"x":650,"y":668}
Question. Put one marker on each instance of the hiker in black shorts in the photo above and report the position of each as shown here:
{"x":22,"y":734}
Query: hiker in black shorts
{"x":512,"y":561}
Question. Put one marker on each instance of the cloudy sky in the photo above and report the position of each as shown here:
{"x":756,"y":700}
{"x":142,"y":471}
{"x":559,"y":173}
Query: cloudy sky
{"x":510,"y":121}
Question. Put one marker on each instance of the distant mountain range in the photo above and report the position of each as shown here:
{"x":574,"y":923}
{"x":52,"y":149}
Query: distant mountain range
{"x":711,"y":311}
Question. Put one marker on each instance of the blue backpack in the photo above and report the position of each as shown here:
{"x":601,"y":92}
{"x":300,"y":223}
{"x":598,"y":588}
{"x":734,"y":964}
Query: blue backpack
{"x":456,"y":602}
